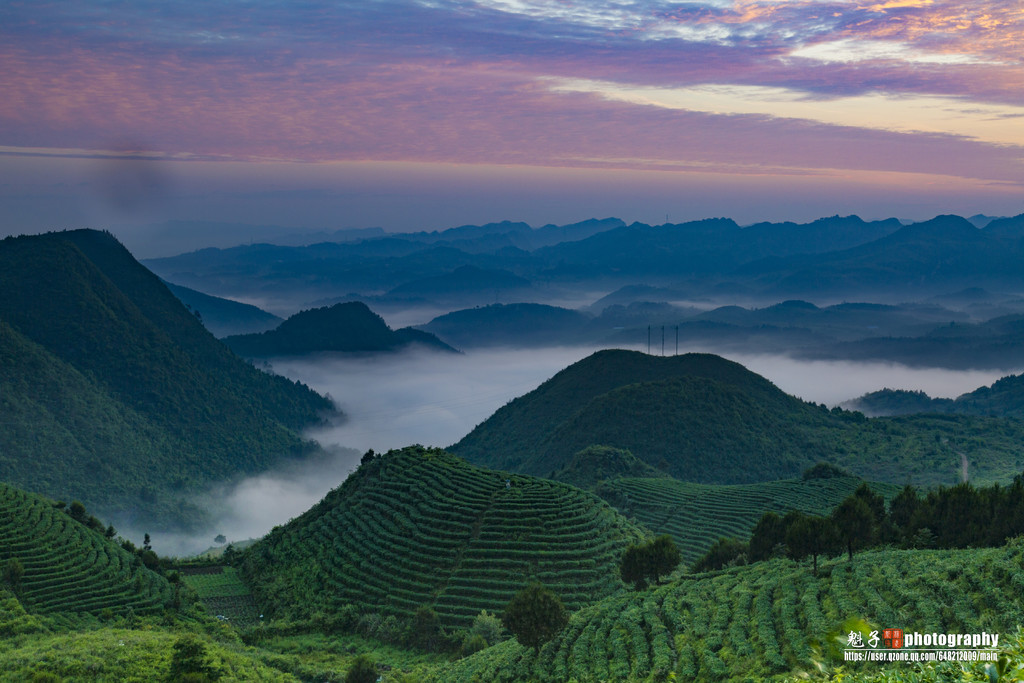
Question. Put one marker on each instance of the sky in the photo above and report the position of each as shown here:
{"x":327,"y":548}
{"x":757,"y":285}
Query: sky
{"x":424,"y":114}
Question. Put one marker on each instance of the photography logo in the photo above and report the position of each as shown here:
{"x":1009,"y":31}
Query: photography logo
{"x":893,"y":645}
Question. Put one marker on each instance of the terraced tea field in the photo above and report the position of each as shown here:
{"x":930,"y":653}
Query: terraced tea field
{"x":765,"y":619}
{"x":69,"y":568}
{"x":697,"y":515}
{"x":223,"y":593}
{"x":422,"y":527}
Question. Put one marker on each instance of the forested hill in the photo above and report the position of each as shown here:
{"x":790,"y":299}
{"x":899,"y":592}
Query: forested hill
{"x":1004,"y":398}
{"x":702,"y":418}
{"x":650,"y":405}
{"x":346,"y":327}
{"x":113,"y":393}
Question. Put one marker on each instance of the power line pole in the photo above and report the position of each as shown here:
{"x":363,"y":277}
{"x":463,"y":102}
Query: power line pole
{"x":648,"y":340}
{"x":677,"y":340}
{"x":662,"y":340}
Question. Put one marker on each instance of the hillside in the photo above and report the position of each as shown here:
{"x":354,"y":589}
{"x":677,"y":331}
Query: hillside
{"x":70,"y":569}
{"x":422,"y":527}
{"x":704,"y":419}
{"x":697,"y":515}
{"x":1003,"y":398}
{"x":515,"y":436}
{"x":765,"y":619}
{"x":521,"y":324}
{"x":223,"y":316}
{"x":115,"y":394}
{"x":345,"y":327}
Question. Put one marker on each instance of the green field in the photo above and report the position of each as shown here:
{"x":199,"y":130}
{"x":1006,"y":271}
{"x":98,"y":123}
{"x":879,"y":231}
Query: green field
{"x":223,"y":593}
{"x":765,"y":620}
{"x":696,"y":515}
{"x":422,"y":527}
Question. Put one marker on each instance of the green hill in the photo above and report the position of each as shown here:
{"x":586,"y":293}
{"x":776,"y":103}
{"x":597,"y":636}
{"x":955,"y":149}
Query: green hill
{"x":518,"y":435}
{"x":702,"y":418}
{"x":114,"y":394}
{"x":349,"y":327}
{"x":422,"y":527}
{"x":594,"y":464}
{"x":765,"y":619}
{"x":1004,"y":398}
{"x":69,"y":568}
{"x":697,"y":515}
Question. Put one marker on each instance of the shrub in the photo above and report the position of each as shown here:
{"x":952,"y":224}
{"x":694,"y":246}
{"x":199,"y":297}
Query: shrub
{"x":362,"y":670}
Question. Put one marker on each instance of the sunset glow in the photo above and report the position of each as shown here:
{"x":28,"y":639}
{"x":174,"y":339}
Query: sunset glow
{"x":906,"y":86}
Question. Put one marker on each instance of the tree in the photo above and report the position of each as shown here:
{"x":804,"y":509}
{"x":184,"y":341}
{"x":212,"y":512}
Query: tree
{"x":902,"y":510}
{"x":665,"y":557}
{"x":723,"y":552}
{"x":650,"y":561}
{"x":810,"y":535}
{"x":77,"y":511}
{"x":768,"y":533}
{"x":535,"y":615}
{"x":13,"y":571}
{"x":362,"y":670}
{"x":487,"y":626}
{"x":874,"y":501}
{"x":855,"y":522}
{"x":426,"y":629}
{"x":632,"y":569}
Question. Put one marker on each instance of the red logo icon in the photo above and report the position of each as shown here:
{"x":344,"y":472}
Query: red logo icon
{"x":892,"y":638}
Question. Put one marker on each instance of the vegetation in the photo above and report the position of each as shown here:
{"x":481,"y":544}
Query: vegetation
{"x":362,"y":670}
{"x":704,"y":419}
{"x":455,"y":538}
{"x":223,"y":593}
{"x":594,"y":464}
{"x":57,"y":564}
{"x":697,"y":515}
{"x":145,"y":655}
{"x":1004,"y":398}
{"x":764,"y":620}
{"x":113,"y":393}
{"x":647,"y":562}
{"x":535,"y":615}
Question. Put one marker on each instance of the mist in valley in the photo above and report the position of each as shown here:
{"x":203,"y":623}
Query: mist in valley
{"x":434,"y":399}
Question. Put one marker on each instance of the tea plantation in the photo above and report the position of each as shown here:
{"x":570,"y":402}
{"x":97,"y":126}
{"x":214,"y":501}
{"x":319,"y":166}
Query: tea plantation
{"x":697,"y":515}
{"x":68,"y":568}
{"x":422,"y":527}
{"x":767,"y":619}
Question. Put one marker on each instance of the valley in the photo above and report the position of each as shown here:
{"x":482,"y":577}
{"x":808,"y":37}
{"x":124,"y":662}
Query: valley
{"x":431,"y":473}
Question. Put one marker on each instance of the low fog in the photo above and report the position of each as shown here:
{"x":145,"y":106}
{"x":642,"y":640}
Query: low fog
{"x":434,"y":399}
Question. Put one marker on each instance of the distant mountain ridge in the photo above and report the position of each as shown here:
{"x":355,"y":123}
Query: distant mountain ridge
{"x":344,"y":327}
{"x":593,"y":249}
{"x":223,"y":316}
